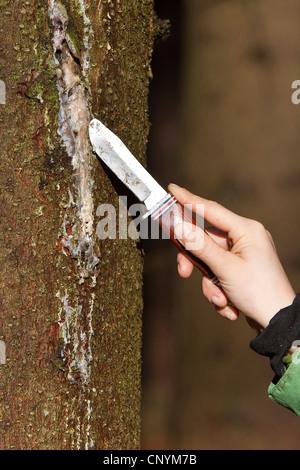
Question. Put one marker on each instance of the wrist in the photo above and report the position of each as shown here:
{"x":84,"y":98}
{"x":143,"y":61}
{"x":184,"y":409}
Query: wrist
{"x":281,"y":334}
{"x":280,"y":302}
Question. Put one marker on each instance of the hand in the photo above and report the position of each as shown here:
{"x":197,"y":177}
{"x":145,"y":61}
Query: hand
{"x":242,"y":255}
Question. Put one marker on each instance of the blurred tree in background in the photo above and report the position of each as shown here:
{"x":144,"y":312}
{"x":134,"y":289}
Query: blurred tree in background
{"x":224,"y":126}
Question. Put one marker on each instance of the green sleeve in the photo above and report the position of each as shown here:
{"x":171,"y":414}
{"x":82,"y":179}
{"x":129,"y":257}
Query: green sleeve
{"x":286,"y":391}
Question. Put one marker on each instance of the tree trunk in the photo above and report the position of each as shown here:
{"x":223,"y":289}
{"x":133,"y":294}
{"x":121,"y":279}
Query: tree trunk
{"x":70,"y":305}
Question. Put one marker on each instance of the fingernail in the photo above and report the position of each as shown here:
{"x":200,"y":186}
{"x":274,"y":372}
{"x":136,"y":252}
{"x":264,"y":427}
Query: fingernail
{"x":215,"y":300}
{"x":229,"y":315}
{"x":173,"y":186}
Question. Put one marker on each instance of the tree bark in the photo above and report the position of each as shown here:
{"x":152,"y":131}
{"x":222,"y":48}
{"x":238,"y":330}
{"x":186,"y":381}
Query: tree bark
{"x":70,"y":305}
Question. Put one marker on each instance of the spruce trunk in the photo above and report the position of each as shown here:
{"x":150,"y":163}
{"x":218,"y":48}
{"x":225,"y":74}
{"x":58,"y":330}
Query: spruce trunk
{"x":70,"y":304}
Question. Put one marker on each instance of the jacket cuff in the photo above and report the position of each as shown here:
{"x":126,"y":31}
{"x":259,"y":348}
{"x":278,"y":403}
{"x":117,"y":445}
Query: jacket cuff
{"x":275,"y":340}
{"x":285,"y":392}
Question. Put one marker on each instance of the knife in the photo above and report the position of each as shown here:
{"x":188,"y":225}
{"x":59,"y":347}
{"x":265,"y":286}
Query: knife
{"x":159,"y":203}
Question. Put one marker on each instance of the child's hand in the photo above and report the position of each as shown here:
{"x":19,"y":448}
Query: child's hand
{"x":242,"y":255}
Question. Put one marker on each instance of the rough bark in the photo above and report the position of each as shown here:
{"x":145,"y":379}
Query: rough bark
{"x":70,"y":305}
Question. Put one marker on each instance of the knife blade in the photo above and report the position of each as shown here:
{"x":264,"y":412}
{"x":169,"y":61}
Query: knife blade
{"x":159,"y":203}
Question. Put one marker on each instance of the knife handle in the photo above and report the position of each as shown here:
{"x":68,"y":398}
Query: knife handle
{"x":171,"y":213}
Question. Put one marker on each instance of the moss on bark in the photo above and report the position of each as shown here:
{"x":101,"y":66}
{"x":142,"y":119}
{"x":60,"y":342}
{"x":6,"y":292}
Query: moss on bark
{"x":72,"y":374}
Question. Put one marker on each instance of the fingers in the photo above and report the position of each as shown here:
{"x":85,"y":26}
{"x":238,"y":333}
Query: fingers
{"x":211,"y":211}
{"x":217,"y":297}
{"x":204,"y":247}
{"x":185,"y":267}
{"x":211,"y":246}
{"x":211,"y":292}
{"x":229,"y":312}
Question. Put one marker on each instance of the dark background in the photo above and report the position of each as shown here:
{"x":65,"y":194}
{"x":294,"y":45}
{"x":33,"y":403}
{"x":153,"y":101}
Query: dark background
{"x":224,"y":126}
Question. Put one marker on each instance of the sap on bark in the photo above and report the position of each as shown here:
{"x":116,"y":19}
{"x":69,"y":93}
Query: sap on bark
{"x":2,"y":352}
{"x":2,"y":92}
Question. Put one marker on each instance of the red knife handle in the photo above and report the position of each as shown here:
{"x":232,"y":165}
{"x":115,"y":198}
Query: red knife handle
{"x":171,"y":213}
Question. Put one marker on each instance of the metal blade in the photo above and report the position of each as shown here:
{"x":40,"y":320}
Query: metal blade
{"x":125,"y":166}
